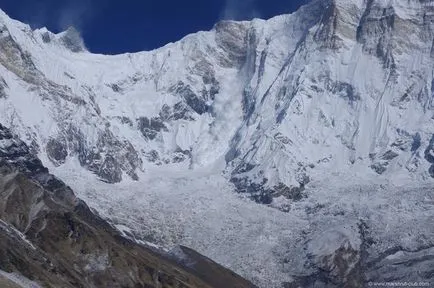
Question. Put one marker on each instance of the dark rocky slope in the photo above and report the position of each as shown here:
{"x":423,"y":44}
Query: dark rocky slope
{"x":53,"y":238}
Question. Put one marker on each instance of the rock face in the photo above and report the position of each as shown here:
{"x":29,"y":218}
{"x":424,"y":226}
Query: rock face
{"x":263,"y":94}
{"x":53,"y":238}
{"x":337,"y":94}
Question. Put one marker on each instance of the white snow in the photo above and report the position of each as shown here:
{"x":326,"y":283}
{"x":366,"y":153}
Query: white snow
{"x":203,"y":212}
{"x":300,"y":121}
{"x":19,"y":280}
{"x":10,"y":229}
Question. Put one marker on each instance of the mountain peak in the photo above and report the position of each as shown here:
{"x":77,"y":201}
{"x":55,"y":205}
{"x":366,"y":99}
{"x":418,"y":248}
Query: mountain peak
{"x":286,"y":111}
{"x":72,"y":40}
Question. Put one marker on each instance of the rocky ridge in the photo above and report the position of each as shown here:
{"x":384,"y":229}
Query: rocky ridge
{"x":325,"y":114}
{"x":247,"y":91}
{"x":53,"y":238}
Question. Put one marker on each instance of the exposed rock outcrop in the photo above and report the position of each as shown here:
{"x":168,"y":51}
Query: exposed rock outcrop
{"x":53,"y":238}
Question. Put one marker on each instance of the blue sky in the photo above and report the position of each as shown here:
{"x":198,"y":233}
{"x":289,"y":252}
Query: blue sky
{"x":116,"y":26}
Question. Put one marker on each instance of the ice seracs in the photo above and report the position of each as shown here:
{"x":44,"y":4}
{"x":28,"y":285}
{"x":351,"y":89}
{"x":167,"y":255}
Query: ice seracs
{"x":339,"y":91}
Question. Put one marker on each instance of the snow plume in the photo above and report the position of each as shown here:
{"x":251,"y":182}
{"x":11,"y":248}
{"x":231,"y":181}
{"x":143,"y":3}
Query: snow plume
{"x":72,"y":18}
{"x":73,"y":41}
{"x":74,"y":14}
{"x":239,"y":10}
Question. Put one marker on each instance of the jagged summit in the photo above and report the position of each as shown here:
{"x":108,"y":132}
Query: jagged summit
{"x":69,"y":39}
{"x":72,"y":40}
{"x":333,"y":97}
{"x":275,"y":75}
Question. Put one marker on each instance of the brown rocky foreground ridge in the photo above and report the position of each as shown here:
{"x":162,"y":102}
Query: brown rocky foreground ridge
{"x":52,"y":238}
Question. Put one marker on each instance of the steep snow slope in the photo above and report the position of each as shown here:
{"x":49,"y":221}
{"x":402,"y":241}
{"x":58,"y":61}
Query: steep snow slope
{"x":339,"y":91}
{"x":347,"y":234}
{"x":336,"y":85}
{"x":50,"y":236}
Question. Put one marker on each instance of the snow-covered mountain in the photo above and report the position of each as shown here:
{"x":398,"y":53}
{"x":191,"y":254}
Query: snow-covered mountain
{"x":50,"y":236}
{"x":338,"y":95}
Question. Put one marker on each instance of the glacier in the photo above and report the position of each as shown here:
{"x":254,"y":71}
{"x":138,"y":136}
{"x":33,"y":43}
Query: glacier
{"x":252,"y":143}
